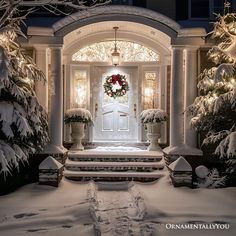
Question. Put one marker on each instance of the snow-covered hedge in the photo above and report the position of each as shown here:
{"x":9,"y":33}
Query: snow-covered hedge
{"x":153,"y":116}
{"x":78,"y":115}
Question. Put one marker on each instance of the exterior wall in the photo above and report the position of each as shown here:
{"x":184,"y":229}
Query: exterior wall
{"x":166,"y":7}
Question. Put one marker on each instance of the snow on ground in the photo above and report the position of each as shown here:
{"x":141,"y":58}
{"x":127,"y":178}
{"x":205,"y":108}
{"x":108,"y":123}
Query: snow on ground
{"x":112,"y":209}
{"x":166,"y":205}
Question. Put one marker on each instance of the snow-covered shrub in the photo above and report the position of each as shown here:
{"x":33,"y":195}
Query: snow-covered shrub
{"x":212,"y":180}
{"x":153,"y":116}
{"x":23,"y":121}
{"x":202,"y":171}
{"x":214,"y":110}
{"x":78,"y":115}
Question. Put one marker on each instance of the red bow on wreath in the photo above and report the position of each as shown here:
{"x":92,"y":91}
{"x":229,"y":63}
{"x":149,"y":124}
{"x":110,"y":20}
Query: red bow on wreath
{"x":116,"y":78}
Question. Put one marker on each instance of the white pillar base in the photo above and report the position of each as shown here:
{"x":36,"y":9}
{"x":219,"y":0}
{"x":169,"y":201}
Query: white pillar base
{"x":54,"y":149}
{"x":183,"y":150}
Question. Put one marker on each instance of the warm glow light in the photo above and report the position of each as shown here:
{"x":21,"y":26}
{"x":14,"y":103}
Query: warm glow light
{"x":101,"y":52}
{"x":80,"y":95}
{"x":210,"y":100}
{"x":115,"y":58}
{"x":115,"y":54}
{"x":232,"y":80}
{"x":115,"y":71}
{"x":3,"y":38}
{"x":212,"y":81}
{"x":148,"y":92}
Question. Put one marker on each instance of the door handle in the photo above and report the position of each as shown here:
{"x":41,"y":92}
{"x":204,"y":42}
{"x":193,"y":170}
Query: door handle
{"x":135,"y":111}
{"x":96,"y":110}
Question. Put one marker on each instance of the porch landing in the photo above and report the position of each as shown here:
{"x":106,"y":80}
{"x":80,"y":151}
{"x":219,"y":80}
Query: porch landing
{"x":114,"y":164}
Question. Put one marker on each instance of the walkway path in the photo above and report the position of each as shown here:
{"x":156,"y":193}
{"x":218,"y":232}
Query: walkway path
{"x":118,"y":212}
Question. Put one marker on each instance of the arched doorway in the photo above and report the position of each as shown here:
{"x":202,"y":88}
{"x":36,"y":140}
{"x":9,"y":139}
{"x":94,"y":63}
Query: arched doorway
{"x":144,"y":52}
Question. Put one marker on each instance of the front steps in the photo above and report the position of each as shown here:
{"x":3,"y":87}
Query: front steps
{"x":112,"y":165}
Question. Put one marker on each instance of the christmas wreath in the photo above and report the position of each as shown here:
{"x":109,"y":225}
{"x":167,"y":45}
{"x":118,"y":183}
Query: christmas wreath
{"x":116,"y":86}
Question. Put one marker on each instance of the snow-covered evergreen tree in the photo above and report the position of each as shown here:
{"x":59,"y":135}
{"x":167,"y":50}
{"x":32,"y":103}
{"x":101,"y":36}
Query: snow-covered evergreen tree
{"x":214,"y":110}
{"x":23,"y":121}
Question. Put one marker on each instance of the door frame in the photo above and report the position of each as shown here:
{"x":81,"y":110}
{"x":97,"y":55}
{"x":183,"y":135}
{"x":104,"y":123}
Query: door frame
{"x":115,"y":70}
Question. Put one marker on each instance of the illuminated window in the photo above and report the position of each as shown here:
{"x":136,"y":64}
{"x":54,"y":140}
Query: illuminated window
{"x":150,"y":90}
{"x":80,"y":88}
{"x":101,"y":52}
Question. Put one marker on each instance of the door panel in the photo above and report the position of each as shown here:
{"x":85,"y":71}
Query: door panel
{"x":123,"y":123}
{"x":107,"y":121}
{"x":115,"y":119}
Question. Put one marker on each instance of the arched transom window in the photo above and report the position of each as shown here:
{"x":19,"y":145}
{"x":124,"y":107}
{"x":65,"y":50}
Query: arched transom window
{"x":130,"y":52}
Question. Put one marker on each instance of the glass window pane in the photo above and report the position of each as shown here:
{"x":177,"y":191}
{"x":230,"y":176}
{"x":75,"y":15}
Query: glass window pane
{"x":80,"y":89}
{"x":129,"y":51}
{"x":150,"y":90}
{"x":200,"y":8}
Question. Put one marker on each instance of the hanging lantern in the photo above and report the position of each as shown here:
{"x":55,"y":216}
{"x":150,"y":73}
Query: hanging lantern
{"x":115,"y":56}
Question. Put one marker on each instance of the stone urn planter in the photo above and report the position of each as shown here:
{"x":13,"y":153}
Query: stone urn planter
{"x":152,"y":119}
{"x":153,"y":134}
{"x":78,"y":118}
{"x":77,"y":135}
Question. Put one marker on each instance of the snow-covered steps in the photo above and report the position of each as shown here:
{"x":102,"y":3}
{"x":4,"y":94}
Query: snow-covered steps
{"x":112,"y":156}
{"x":113,"y":175}
{"x":118,"y":166}
{"x":114,"y":164}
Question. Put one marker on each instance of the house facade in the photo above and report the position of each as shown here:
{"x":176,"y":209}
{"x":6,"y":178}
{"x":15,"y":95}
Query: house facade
{"x":160,"y":59}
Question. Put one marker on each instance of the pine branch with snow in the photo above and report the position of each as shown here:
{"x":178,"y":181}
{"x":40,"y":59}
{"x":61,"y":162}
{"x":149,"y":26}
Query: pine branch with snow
{"x":212,"y":180}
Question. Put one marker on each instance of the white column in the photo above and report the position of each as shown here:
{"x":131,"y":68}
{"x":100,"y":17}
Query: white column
{"x":162,"y":99}
{"x":176,"y":97}
{"x":190,"y":93}
{"x":41,"y":87}
{"x":56,"y":118}
{"x":67,"y":95}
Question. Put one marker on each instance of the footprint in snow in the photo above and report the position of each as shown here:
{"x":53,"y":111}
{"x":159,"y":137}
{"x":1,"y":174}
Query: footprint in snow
{"x":44,"y":209}
{"x":35,"y":230}
{"x":66,"y":226}
{"x":4,"y":219}
{"x":22,"y":215}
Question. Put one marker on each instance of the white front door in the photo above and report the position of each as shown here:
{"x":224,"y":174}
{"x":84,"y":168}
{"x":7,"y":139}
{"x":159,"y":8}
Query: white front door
{"x":114,"y":119}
